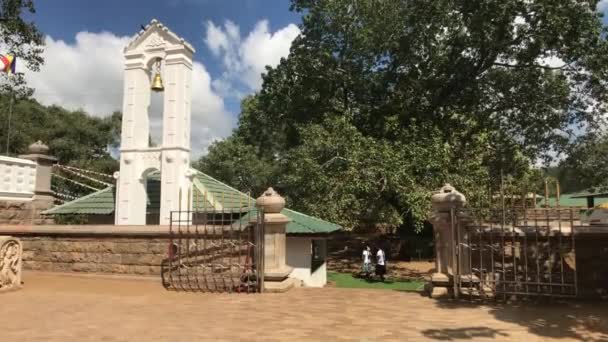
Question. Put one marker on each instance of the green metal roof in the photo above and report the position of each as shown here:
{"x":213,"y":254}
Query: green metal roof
{"x":570,"y":200}
{"x":301,"y":223}
{"x":207,"y":194}
{"x":592,"y":192}
{"x":98,"y":203}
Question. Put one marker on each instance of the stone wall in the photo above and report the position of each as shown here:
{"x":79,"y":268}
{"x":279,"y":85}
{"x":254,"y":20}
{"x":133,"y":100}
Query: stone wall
{"x":24,"y":212}
{"x":113,"y":254}
{"x":133,"y":250}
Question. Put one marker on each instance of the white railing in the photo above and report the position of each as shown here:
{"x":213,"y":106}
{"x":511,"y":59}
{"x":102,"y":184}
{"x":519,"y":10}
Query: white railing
{"x":17,"y":179}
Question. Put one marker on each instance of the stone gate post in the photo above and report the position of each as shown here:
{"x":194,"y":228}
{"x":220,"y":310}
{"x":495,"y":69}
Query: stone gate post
{"x":443,"y":201}
{"x":43,"y":196}
{"x":38,"y":153}
{"x":276,"y":271}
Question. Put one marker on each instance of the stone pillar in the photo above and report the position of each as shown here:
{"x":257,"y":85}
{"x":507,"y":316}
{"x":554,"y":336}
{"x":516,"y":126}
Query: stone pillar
{"x":43,"y":196}
{"x":445,"y":234}
{"x":11,"y":251}
{"x":276,"y":271}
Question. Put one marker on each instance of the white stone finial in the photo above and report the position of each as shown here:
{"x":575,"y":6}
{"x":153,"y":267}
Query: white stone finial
{"x":38,"y":148}
{"x":270,"y":201}
{"x":447,"y":197}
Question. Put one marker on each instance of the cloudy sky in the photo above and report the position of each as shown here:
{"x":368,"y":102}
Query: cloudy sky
{"x":234,"y":41}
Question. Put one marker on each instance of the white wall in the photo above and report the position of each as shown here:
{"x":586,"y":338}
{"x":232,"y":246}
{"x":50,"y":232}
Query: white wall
{"x":319,"y":276}
{"x":299,"y":257}
{"x":17,"y":179}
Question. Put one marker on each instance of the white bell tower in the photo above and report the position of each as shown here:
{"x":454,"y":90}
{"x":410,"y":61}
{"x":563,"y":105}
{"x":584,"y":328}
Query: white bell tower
{"x":156,"y":45}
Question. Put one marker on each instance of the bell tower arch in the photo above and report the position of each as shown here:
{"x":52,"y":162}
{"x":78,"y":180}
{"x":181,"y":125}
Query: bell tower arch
{"x":143,"y":55}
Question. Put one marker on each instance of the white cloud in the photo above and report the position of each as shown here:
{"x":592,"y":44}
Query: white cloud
{"x":602,"y":5}
{"x":245,"y":60}
{"x":85,"y":75}
{"x":88,"y":75}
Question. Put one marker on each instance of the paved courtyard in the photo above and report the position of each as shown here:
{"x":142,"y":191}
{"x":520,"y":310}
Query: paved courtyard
{"x":56,"y":308}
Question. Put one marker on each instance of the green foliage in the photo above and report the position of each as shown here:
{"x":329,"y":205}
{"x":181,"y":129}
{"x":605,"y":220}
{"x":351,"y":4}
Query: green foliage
{"x":380,"y":102}
{"x":239,"y":166}
{"x":21,"y":38}
{"x":74,"y":138}
{"x":587,"y":162}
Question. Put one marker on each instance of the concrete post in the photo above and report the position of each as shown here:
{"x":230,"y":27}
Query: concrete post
{"x":43,"y":196}
{"x":445,"y":233}
{"x":276,"y":271}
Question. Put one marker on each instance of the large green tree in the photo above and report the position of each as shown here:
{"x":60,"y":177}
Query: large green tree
{"x":74,"y":137}
{"x":379,"y":102}
{"x":22,"y":39}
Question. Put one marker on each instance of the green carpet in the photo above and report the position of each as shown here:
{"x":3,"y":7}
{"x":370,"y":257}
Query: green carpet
{"x":346,"y":280}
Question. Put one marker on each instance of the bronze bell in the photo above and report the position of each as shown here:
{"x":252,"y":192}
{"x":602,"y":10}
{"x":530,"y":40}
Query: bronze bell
{"x":157,"y":83}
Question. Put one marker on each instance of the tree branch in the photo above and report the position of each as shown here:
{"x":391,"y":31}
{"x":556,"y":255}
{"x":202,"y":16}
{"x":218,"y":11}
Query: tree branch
{"x":521,"y":66}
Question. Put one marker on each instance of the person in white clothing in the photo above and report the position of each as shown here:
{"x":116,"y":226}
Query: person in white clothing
{"x":367,"y":261}
{"x":380,"y":263}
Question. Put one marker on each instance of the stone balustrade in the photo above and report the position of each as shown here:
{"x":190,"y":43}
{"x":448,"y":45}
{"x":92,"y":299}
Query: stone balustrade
{"x":18,"y":179}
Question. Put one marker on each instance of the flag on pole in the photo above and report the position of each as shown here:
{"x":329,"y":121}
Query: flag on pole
{"x":7,"y":63}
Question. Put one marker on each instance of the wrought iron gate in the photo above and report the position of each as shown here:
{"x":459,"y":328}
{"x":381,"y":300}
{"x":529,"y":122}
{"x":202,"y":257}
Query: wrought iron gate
{"x":518,"y":251}
{"x":215,"y":251}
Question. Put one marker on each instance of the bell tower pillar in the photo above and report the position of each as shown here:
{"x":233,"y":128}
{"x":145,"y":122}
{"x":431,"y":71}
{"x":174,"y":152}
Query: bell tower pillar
{"x":175,"y":172}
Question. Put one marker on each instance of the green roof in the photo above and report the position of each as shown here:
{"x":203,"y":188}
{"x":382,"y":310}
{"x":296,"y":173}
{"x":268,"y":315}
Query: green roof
{"x":208,"y":194}
{"x":570,"y":200}
{"x":592,"y":192}
{"x":301,"y":223}
{"x":97,"y":203}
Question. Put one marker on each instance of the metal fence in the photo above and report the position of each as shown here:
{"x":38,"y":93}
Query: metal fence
{"x":215,"y":251}
{"x":518,"y":251}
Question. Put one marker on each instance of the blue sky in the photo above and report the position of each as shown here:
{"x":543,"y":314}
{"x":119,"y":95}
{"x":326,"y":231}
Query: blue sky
{"x":234,"y":39}
{"x":62,"y":19}
{"x":83,"y":54}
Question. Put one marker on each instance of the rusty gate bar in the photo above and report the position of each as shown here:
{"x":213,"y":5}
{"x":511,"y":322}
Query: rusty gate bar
{"x":215,"y":250}
{"x":532,"y":244}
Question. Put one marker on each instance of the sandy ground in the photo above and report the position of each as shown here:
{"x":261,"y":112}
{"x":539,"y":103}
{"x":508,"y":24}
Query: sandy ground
{"x":58,"y":308}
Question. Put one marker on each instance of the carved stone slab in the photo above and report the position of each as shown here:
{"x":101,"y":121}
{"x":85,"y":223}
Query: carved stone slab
{"x":11,"y":251}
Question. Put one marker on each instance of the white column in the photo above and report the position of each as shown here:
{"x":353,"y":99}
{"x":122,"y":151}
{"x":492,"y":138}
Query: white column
{"x":131,"y":192}
{"x":176,"y":133}
{"x":135,"y":123}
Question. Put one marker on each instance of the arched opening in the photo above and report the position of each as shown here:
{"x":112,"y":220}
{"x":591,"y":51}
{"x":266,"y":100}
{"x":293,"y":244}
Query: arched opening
{"x":151,"y":182}
{"x":156,"y":65}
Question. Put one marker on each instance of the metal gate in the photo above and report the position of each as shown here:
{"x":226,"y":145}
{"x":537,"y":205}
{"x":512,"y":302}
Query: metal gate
{"x":514,"y":252}
{"x":215,"y":251}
